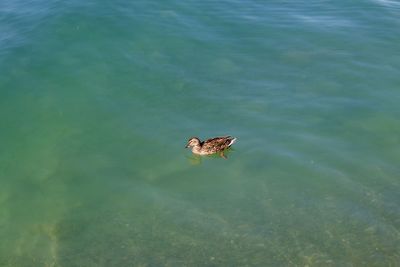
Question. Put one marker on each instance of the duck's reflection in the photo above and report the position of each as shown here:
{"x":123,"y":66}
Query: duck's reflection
{"x":195,"y":159}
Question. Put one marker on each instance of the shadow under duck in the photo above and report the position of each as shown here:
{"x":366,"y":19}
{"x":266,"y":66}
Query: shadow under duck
{"x":211,"y":146}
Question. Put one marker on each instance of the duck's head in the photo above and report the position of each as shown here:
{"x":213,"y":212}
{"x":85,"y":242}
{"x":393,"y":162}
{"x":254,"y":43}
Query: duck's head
{"x":192,"y":142}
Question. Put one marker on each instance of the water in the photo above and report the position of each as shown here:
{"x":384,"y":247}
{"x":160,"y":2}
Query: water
{"x":98,"y":99}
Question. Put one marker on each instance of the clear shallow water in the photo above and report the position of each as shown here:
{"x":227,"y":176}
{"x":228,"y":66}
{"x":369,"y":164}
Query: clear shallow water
{"x":98,"y":99}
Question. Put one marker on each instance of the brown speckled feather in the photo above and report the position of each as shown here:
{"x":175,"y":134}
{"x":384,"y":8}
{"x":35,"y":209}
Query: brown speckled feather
{"x":216,"y":144}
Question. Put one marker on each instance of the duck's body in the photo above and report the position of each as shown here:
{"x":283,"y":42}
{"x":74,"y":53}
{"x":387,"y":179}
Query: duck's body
{"x":210,"y":146}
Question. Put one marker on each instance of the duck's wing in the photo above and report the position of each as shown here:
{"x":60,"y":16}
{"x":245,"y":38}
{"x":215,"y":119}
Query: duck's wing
{"x":218,"y":143}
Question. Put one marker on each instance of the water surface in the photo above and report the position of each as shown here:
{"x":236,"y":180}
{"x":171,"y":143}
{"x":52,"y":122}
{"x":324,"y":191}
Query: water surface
{"x":97,"y":100}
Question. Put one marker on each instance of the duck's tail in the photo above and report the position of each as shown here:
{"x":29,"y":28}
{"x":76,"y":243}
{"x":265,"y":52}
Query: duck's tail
{"x":232,"y":141}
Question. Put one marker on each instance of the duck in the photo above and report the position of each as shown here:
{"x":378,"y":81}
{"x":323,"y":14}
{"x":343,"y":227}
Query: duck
{"x":210,"y":146}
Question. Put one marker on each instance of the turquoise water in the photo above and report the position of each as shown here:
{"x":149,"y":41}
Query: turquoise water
{"x":98,"y":99}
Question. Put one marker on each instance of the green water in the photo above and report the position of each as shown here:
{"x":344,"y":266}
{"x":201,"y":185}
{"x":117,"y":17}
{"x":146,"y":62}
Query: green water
{"x":97,"y":101}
